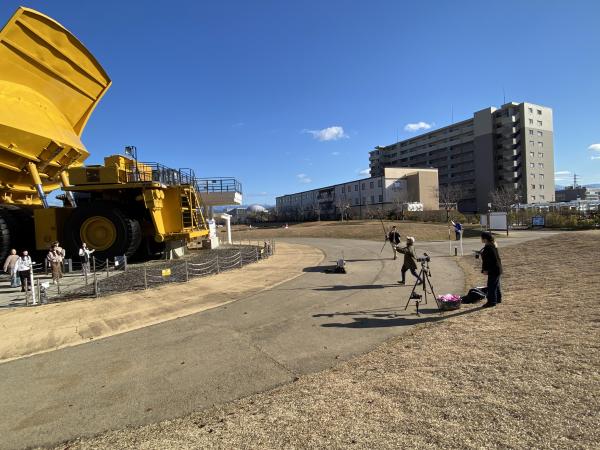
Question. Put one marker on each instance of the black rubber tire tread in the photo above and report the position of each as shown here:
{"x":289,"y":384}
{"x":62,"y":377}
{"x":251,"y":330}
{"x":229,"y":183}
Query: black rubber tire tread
{"x":16,"y":231}
{"x":129,"y":231}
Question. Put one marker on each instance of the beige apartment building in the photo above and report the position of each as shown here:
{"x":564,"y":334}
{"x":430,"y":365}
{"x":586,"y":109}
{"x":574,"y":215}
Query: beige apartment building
{"x":395,"y":186}
{"x":511,"y":146}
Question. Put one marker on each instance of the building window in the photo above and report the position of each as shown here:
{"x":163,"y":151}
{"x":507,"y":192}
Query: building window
{"x":540,"y":144}
{"x":539,"y":123}
{"x":539,"y":111}
{"x":540,"y":154}
{"x":379,"y":183}
{"x":541,"y":176}
{"x":539,"y":133}
{"x":355,"y":187}
{"x":533,"y":186}
{"x":530,"y":121}
{"x":364,"y":186}
{"x":541,"y":165}
{"x":364,"y":200}
{"x":542,"y":197}
{"x":343,"y":189}
{"x":530,"y":131}
{"x":530,"y":110}
{"x":356,"y":201}
{"x":542,"y":186}
{"x":531,"y":143}
{"x":533,"y":198}
{"x":532,"y":175}
{"x":532,"y":154}
{"x":531,"y":165}
{"x":380,"y":198}
{"x":371,"y":185}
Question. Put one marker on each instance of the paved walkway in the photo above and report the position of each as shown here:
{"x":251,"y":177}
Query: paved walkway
{"x":262,"y":341}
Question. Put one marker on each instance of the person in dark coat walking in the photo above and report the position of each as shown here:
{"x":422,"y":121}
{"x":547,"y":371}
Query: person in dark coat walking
{"x":491,"y":265}
{"x":410,"y":260}
{"x":394,"y":237}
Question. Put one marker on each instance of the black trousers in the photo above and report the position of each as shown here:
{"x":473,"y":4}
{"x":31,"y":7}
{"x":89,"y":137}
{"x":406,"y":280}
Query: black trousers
{"x":406,"y":269}
{"x":494,"y":292}
{"x":25,"y":275}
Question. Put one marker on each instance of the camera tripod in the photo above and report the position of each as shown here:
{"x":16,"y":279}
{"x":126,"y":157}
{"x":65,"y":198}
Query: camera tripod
{"x":424,"y":280}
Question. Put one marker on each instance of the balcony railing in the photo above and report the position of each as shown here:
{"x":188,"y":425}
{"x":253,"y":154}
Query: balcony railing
{"x":218,"y":185}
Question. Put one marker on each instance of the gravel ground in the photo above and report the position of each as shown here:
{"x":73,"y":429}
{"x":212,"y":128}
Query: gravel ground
{"x":523,"y":375}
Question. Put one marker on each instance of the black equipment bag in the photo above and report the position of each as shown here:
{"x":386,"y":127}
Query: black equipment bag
{"x":474,"y":295}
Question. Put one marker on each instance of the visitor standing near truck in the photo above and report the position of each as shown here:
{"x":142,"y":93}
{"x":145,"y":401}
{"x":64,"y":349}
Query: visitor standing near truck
{"x":23,"y":270}
{"x":9,"y":268}
{"x":85,"y":255}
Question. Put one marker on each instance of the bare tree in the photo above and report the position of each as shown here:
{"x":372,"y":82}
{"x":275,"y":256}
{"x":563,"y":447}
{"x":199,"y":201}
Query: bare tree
{"x":400,"y":200}
{"x":449,"y":196}
{"x":342,"y":206}
{"x":503,"y":199}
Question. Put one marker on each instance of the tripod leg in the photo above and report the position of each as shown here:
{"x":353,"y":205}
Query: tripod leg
{"x":433,"y":293}
{"x":414,"y":289}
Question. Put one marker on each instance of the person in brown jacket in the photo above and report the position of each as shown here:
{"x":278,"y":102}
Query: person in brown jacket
{"x":410,"y":260}
{"x":9,"y":266}
{"x":55,"y":258}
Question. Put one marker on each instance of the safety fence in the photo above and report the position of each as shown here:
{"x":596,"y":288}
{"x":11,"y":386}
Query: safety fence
{"x":102,"y":277}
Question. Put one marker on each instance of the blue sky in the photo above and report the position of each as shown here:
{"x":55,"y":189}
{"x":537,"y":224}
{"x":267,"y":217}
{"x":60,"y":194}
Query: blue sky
{"x":290,"y":95}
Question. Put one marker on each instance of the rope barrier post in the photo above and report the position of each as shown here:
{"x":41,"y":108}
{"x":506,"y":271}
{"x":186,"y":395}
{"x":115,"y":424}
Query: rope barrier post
{"x":124,"y":263}
{"x":94,"y":265}
{"x":241,"y":260}
{"x":145,"y":279}
{"x":39,"y":290}
{"x":256,"y":251}
{"x":107,"y":275}
{"x":218,"y":269}
{"x":187,"y":274}
{"x":95,"y":281}
{"x":26,"y":292}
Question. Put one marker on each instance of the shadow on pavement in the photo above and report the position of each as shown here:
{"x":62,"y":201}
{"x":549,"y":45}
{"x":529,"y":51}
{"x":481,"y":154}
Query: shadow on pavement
{"x":389,"y":318}
{"x":343,"y":287}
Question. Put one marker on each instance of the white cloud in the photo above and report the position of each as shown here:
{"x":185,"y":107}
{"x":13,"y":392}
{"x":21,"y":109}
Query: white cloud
{"x":336,"y":153}
{"x":238,"y":124}
{"x":596,"y":157}
{"x":594,"y":147}
{"x":328,"y":134}
{"x":417,"y":126}
{"x":366,"y":172}
{"x":562,"y":172}
{"x":562,"y":175}
{"x":303,"y":178}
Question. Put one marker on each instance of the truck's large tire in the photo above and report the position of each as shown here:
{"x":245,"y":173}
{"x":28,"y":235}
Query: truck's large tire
{"x":16,"y":231}
{"x":105,"y":228}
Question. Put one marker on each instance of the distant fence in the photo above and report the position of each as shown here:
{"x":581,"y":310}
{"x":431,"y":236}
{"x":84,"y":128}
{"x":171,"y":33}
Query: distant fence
{"x":115,"y":275}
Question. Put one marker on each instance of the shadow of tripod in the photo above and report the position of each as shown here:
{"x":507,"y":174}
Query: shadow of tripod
{"x":424,"y":280}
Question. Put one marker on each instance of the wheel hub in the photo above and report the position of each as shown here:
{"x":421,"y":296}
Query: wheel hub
{"x":98,"y":233}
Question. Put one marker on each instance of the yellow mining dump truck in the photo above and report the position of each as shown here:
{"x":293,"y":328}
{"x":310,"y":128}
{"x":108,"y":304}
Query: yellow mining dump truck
{"x":49,"y":86}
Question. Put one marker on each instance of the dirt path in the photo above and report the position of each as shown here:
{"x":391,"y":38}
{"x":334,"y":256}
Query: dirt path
{"x":24,"y":331}
{"x":523,"y":375}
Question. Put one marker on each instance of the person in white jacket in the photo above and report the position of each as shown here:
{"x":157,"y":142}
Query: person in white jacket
{"x":84,"y":254}
{"x":23,"y":269}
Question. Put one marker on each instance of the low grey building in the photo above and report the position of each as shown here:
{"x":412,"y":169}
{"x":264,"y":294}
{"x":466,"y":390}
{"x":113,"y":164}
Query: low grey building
{"x":395,"y":188}
{"x":508,"y":147}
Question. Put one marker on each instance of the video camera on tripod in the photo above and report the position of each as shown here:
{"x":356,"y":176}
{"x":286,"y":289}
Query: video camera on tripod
{"x":424,"y":279}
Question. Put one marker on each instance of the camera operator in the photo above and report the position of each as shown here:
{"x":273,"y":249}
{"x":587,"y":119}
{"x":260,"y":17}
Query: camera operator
{"x":491,"y":265}
{"x":410,"y":260}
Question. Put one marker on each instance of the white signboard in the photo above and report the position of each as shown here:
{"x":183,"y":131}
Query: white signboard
{"x":497,"y":221}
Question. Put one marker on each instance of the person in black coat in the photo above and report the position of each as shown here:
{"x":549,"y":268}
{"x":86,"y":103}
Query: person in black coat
{"x":394,"y":237}
{"x":492,"y":267}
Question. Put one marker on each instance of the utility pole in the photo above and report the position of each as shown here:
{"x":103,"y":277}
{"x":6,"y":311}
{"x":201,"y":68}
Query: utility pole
{"x":574,"y":180}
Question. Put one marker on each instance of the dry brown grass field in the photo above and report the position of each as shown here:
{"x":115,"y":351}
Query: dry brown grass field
{"x":355,"y":229}
{"x":523,"y":375}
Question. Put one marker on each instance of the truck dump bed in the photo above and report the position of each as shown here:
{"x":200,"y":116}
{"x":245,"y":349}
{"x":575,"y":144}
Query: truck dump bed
{"x":49,"y":86}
